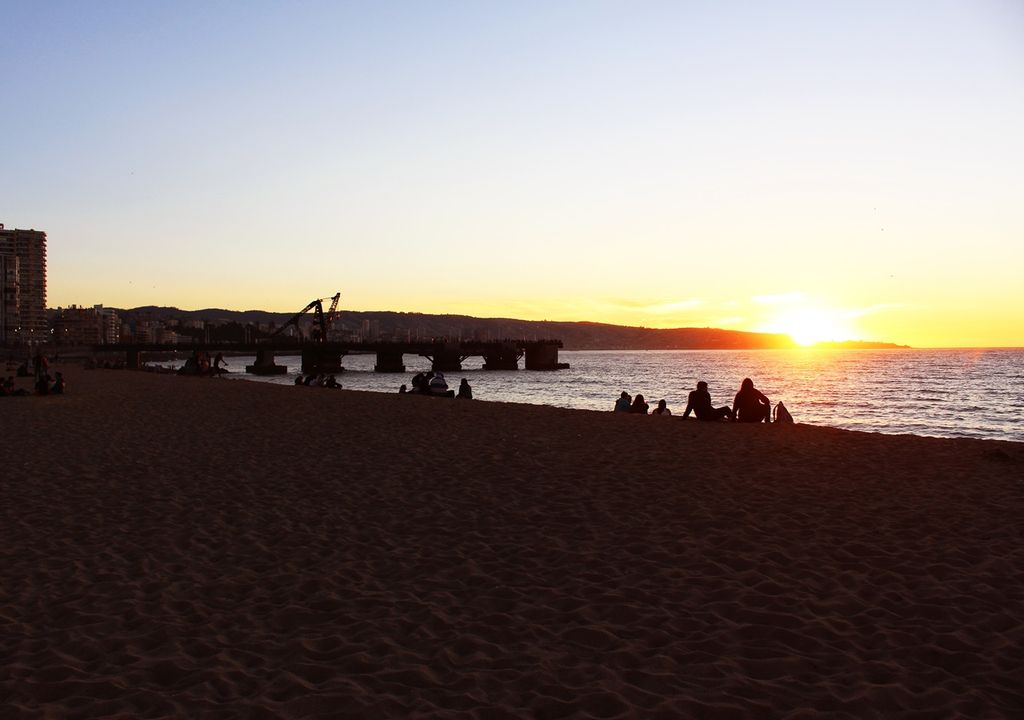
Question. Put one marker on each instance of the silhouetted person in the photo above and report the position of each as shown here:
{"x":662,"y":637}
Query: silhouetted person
{"x":298,"y":379}
{"x":332,"y":382}
{"x":699,"y":403}
{"x":217,"y":363}
{"x":438,"y":384}
{"x":40,"y":365}
{"x":662,"y":409}
{"x":402,"y":390}
{"x":58,"y":384}
{"x":639,"y":407}
{"x":465,"y":391}
{"x":751,"y":405}
{"x":622,"y":404}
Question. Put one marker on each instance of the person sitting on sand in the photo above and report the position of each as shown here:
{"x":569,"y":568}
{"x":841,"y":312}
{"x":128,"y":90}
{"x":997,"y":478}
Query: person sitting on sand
{"x":58,"y":384}
{"x":622,"y":404}
{"x":403,"y":390}
{"x":332,"y":382}
{"x":699,"y":403}
{"x":639,"y":407}
{"x":465,"y":391}
{"x":437,"y":384}
{"x":298,"y":379}
{"x":662,"y":409}
{"x":750,"y":405}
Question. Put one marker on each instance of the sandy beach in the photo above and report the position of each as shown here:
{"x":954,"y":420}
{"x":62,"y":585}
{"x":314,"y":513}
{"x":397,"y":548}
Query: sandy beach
{"x":190,"y":548}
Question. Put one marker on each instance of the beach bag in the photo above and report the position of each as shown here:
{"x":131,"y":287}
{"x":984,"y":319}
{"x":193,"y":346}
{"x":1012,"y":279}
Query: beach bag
{"x":782,"y":414}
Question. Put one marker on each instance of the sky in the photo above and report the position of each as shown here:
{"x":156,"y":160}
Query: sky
{"x":831,"y":170}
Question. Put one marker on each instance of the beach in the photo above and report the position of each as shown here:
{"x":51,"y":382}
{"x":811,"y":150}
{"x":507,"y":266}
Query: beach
{"x":192,"y":547}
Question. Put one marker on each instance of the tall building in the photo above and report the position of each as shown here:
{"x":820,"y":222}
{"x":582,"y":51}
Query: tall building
{"x":27,"y":322}
{"x":9,"y":297}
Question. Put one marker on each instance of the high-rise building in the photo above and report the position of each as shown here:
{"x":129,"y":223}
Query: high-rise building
{"x":9,"y":297}
{"x":110,"y":323}
{"x":28,"y":321}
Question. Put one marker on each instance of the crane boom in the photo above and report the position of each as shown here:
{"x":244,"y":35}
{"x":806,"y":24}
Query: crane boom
{"x":320,"y":328}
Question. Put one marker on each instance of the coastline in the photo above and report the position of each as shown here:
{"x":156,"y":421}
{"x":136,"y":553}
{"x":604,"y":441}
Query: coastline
{"x":182,"y":546}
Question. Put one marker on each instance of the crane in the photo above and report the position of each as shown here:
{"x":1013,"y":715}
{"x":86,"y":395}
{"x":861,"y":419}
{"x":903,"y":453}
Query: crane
{"x":322,"y":319}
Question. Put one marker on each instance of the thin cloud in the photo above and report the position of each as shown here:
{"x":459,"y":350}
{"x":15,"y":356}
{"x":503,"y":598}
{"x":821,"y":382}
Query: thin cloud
{"x":660,"y":308}
{"x":726,"y":321}
{"x":674,"y":306}
{"x":777,"y":299}
{"x":871,"y":310}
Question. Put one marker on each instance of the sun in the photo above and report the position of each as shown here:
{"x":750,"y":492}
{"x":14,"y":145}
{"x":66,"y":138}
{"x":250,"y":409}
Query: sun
{"x":808,"y":326}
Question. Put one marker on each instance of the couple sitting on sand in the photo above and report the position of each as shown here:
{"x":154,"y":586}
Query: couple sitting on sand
{"x":749,"y":406}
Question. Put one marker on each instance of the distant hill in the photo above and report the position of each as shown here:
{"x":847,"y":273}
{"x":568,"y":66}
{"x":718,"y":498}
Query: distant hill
{"x":574,"y":335}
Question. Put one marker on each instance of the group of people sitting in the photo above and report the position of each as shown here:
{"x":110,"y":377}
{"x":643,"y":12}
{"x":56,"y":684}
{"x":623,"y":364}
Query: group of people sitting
{"x":749,"y":406}
{"x":199,"y":363}
{"x":639,"y":406}
{"x":44,"y":385}
{"x":433,"y":383}
{"x":315,"y":380}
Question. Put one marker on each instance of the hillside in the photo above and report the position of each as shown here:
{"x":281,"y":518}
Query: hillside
{"x":574,"y":335}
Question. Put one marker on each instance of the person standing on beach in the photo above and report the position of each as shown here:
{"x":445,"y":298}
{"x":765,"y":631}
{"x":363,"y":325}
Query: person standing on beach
{"x":751,"y":405}
{"x":622,"y":404}
{"x":699,"y":403}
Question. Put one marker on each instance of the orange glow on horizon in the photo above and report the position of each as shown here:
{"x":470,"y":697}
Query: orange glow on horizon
{"x":810,"y":325}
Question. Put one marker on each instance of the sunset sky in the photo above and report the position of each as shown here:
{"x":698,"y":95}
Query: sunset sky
{"x":833,"y":170}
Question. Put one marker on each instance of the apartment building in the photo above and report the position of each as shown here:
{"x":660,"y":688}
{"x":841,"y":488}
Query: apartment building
{"x":24,"y":285}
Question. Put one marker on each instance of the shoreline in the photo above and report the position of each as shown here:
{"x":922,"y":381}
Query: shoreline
{"x":184,"y":546}
{"x":26,"y":384}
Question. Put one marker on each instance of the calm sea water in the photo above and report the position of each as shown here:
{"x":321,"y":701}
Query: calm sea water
{"x":948,"y":393}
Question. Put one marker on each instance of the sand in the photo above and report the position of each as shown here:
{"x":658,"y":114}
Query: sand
{"x":191,"y":548}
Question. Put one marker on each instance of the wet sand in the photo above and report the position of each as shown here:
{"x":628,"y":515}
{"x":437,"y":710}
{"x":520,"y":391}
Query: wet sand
{"x":183,"y":547}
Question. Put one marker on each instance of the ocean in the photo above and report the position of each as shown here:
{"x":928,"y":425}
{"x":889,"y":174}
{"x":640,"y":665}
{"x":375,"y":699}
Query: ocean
{"x":942,"y":393}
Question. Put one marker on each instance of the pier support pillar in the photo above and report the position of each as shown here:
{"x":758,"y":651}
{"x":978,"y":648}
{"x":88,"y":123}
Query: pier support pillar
{"x":131,"y":360}
{"x":265,"y":364}
{"x":319,"y":360}
{"x":504,"y":358}
{"x":389,"y":361}
{"x":544,"y":356}
{"x":446,"y":359}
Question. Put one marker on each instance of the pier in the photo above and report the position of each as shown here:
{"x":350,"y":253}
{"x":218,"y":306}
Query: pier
{"x":326,"y":357}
